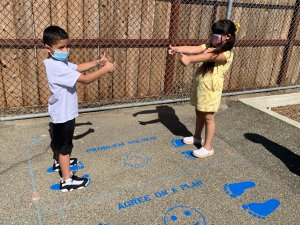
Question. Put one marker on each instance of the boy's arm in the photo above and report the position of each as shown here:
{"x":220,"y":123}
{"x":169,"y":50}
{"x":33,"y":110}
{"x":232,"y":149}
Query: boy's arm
{"x":89,"y":65}
{"x":86,"y":66}
{"x":90,"y":77}
{"x":186,"y":49}
{"x":203,"y":57}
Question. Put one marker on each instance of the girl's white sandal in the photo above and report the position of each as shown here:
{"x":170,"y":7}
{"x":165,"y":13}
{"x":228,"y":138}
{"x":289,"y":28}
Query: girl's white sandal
{"x":202,"y":152}
{"x":192,"y":140}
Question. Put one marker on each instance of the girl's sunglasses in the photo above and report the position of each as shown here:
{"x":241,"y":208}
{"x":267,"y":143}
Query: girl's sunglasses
{"x":216,"y":38}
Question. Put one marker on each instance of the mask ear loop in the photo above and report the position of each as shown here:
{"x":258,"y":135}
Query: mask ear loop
{"x":68,"y":48}
{"x":49,"y":47}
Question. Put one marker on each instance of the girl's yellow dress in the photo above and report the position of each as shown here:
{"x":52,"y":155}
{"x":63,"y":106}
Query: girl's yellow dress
{"x":207,"y":88}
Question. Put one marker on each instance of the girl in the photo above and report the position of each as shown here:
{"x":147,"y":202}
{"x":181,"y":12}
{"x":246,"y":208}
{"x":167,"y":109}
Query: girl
{"x":208,"y":82}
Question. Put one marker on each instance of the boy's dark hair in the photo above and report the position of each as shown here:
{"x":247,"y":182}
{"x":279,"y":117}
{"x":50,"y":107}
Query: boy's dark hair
{"x":222,"y":27}
{"x":52,"y":34}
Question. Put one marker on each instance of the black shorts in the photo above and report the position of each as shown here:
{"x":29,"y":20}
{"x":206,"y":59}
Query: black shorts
{"x":62,"y":136}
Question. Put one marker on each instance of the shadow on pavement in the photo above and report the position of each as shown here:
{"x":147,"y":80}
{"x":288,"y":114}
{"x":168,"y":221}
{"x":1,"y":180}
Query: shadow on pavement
{"x":168,"y":117}
{"x":290,"y":159}
{"x":75,"y":137}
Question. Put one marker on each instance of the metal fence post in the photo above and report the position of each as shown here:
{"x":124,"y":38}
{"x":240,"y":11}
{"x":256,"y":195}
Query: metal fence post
{"x":229,"y":9}
{"x":170,"y":64}
{"x":290,"y":45}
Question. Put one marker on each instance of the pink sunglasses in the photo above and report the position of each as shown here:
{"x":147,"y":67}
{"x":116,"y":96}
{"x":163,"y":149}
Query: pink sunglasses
{"x":216,"y":38}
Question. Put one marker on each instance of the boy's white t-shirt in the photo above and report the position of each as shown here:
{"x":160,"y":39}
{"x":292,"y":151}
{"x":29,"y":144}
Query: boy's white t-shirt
{"x":63,"y":102}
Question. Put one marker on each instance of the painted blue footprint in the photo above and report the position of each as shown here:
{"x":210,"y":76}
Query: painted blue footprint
{"x":236,"y":189}
{"x":79,"y":166}
{"x":188,"y":154}
{"x":56,"y":187}
{"x":261,"y":210}
{"x":177,"y":143}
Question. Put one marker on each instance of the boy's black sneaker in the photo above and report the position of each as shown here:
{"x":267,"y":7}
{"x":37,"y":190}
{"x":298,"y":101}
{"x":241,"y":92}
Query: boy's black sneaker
{"x":74,"y":183}
{"x":56,"y":166}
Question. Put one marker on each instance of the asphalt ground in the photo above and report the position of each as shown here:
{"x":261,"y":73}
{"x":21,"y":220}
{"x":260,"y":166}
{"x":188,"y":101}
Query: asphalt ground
{"x":142,"y":174}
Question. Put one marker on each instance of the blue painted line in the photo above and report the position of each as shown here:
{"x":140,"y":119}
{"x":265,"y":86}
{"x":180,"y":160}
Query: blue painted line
{"x":33,"y":183}
{"x":237,"y":189}
{"x":261,"y":210}
{"x":61,"y":208}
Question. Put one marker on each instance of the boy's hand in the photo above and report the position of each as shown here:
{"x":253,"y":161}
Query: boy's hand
{"x":172,"y":50}
{"x":103,"y":60}
{"x":185,"y":60}
{"x":110,"y":67}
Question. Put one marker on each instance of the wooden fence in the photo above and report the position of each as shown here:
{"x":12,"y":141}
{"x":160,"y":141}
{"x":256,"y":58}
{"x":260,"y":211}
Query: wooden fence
{"x":136,"y":34}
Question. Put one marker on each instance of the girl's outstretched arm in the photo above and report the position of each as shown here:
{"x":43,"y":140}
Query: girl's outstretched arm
{"x":203,"y":57}
{"x":186,"y":49}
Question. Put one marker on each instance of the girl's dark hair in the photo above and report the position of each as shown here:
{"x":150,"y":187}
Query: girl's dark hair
{"x":222,"y":27}
{"x":52,"y":34}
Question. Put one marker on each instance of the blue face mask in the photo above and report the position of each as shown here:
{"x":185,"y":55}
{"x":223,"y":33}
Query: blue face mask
{"x":59,"y":55}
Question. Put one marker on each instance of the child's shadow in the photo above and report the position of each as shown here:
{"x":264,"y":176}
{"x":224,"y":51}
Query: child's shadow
{"x":289,"y":158}
{"x":75,"y":137}
{"x":166,"y":116}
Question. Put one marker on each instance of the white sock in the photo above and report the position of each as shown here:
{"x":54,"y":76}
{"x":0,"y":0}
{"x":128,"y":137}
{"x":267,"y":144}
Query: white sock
{"x":68,"y":180}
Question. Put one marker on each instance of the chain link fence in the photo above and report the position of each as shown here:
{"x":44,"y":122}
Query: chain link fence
{"x":136,"y":34}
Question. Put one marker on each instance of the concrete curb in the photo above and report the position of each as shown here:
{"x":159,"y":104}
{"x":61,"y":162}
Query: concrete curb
{"x":265,"y":103}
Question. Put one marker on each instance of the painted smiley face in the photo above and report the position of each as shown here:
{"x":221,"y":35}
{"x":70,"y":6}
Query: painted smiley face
{"x":183,"y":215}
{"x":136,"y":160}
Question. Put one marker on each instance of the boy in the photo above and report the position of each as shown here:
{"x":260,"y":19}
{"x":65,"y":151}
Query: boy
{"x":63,"y":103}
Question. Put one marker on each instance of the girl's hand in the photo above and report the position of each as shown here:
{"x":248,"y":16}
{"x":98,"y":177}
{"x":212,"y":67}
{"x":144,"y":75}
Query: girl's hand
{"x":103,"y":60}
{"x":172,"y":50}
{"x":185,"y":59}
